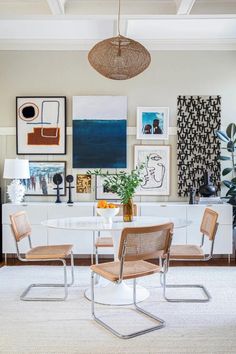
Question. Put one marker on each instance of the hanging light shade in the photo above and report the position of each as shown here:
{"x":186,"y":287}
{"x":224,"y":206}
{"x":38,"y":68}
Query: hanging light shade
{"x":119,"y":58}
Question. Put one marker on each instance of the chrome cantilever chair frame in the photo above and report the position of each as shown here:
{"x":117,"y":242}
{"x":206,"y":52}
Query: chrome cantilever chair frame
{"x":65,"y":285}
{"x":164,"y":269}
{"x":206,"y":294}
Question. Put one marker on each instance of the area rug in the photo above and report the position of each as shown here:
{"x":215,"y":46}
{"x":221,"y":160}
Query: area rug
{"x":67,"y":327}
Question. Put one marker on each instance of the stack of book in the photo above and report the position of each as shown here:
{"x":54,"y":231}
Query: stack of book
{"x":210,"y":200}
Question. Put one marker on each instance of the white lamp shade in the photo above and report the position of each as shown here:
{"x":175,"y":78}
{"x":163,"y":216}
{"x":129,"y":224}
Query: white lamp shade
{"x":16,"y":169}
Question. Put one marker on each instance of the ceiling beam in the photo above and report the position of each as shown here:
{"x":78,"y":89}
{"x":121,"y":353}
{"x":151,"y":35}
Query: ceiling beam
{"x":184,"y":7}
{"x":57,"y":7}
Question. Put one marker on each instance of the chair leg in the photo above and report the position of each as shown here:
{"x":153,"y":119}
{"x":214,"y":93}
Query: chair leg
{"x":139,"y":309}
{"x":207,"y":296}
{"x":65,"y":285}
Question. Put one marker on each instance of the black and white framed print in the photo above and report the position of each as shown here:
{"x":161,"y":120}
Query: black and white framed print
{"x":102,"y":192}
{"x":156,"y":172}
{"x":41,"y":125}
{"x":153,"y":123}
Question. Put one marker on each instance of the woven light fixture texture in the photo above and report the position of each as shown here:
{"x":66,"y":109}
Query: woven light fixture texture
{"x":119,"y":58}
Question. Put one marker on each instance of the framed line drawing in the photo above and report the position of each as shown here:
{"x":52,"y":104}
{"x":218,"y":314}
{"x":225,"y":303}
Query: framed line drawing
{"x":153,"y":123}
{"x":101,"y":192}
{"x":41,"y":125}
{"x":156,"y":173}
{"x":40,"y":182}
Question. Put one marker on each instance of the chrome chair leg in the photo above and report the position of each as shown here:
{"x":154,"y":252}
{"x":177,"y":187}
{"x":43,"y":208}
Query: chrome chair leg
{"x":207,"y":296}
{"x":139,"y":309}
{"x":65,"y":285}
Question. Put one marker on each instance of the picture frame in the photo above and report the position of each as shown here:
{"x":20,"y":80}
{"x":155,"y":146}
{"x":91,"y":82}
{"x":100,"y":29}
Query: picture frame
{"x":41,"y":125}
{"x":83,"y":183}
{"x":40,"y":182}
{"x":156,"y":172}
{"x":153,"y":123}
{"x":101,"y":193}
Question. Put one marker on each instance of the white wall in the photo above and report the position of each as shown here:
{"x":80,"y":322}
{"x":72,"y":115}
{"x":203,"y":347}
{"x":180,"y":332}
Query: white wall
{"x":68,"y":73}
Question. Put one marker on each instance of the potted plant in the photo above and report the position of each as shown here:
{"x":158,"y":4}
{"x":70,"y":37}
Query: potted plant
{"x":124,"y":184}
{"x":229,"y":137}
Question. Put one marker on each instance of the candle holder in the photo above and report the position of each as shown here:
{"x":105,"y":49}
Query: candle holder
{"x":70,"y":179}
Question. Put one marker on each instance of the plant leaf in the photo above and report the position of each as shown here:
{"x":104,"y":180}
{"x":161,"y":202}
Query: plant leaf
{"x":224,"y":158}
{"x":230,"y":146}
{"x":231,"y":130}
{"x":226,"y":171}
{"x":222,"y":136}
{"x":228,"y":184}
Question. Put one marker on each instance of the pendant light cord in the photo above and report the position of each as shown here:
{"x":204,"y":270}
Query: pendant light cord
{"x":118,"y":19}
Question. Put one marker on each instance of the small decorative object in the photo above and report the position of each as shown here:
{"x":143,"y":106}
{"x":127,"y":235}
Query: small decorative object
{"x":57,"y":179}
{"x":156,"y":171}
{"x":83,"y":183}
{"x":119,"y":58}
{"x":69,"y":179}
{"x":124,"y":184}
{"x":152,"y":123}
{"x":41,"y":178}
{"x":41,"y":125}
{"x":197,"y":197}
{"x":17,"y":170}
{"x":207,"y":189}
{"x":107,"y":210}
{"x":191,"y":195}
{"x":99,"y":131}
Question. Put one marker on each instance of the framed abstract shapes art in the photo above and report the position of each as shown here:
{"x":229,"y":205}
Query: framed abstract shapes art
{"x":101,"y":192}
{"x":152,"y":123}
{"x":41,"y":125}
{"x":99,"y":131}
{"x":41,"y":178}
{"x":83,"y":183}
{"x":156,"y":172}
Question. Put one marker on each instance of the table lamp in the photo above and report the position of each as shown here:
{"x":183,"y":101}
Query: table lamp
{"x":16,"y":169}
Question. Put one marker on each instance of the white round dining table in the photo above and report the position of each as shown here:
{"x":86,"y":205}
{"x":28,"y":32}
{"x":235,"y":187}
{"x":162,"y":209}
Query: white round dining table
{"x":106,"y":292}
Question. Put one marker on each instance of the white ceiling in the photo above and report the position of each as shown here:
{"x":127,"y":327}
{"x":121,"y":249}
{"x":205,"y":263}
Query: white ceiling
{"x":78,"y":24}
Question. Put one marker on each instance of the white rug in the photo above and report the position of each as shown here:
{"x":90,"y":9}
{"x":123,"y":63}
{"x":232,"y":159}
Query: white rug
{"x":67,"y":327}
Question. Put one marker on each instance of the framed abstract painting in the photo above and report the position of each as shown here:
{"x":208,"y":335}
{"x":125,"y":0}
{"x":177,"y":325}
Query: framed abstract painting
{"x":99,"y":131}
{"x":83,"y":183}
{"x":41,"y":125}
{"x":101,"y":192}
{"x":41,"y":182}
{"x":153,"y":123}
{"x":156,"y":172}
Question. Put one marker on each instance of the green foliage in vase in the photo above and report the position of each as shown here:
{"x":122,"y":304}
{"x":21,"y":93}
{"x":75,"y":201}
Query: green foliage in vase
{"x":229,"y":137}
{"x":124,"y":184}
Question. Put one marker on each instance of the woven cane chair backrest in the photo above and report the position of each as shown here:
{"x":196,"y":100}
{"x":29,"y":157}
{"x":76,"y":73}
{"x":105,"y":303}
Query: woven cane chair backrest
{"x":145,"y":242}
{"x":20,"y":225}
{"x":209,"y":223}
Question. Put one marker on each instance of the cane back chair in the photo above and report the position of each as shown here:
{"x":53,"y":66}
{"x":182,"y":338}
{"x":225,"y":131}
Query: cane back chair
{"x":107,"y":241}
{"x":137,"y":245}
{"x":21,"y":228}
{"x":193,"y":253}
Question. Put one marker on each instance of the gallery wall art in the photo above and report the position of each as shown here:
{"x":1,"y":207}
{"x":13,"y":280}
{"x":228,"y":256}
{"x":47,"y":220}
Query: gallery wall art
{"x":83,"y":183}
{"x":102,"y":192}
{"x":41,"y":125}
{"x":156,"y":172}
{"x":152,"y":123}
{"x":99,"y":131}
{"x":198,"y":147}
{"x":41,"y":182}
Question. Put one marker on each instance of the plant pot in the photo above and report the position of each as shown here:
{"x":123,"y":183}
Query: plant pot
{"x":128,"y":211}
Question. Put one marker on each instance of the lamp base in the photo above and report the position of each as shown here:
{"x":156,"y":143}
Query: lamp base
{"x":16,"y":191}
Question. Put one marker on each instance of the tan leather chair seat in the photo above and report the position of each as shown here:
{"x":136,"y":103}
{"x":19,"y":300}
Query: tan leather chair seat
{"x":49,"y":252}
{"x":132,"y":269}
{"x":104,"y":242}
{"x":186,"y":252}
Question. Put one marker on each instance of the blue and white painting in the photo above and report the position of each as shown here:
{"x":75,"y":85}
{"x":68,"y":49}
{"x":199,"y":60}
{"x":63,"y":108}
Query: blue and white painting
{"x":99,"y":131}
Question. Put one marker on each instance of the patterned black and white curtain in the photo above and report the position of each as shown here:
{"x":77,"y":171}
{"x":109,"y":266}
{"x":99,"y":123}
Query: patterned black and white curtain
{"x":198,"y":148}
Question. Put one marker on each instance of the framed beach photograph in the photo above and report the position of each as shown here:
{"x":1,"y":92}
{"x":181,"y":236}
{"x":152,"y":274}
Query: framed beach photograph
{"x":41,"y":125}
{"x":83,"y":183}
{"x":153,"y":123}
{"x":156,"y":172}
{"x":101,"y":192}
{"x":41,"y":182}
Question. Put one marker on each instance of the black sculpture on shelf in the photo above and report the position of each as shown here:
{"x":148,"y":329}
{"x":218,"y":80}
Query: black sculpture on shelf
{"x":69,"y":179}
{"x":57,"y":179}
{"x":207,"y":189}
{"x":192,"y":195}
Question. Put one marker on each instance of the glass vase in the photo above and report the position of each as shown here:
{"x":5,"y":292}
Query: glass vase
{"x":128,"y":211}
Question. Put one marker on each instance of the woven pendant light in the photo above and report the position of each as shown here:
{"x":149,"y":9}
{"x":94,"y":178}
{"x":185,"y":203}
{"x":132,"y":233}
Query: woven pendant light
{"x":119,"y":58}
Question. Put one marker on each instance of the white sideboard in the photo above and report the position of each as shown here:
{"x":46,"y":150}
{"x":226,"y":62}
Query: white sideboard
{"x":83,"y":241}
